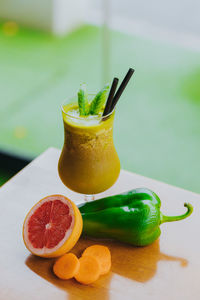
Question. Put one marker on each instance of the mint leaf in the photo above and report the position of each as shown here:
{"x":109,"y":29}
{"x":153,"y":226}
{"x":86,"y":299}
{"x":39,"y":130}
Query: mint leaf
{"x":83,"y":101}
{"x":98,"y":101}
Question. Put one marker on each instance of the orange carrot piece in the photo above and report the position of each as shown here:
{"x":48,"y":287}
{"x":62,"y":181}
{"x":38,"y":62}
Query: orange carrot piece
{"x":66,"y":266}
{"x":89,"y":270}
{"x":102,"y":254}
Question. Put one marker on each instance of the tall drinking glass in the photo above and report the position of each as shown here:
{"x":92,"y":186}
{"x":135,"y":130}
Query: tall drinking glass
{"x":88,"y":163}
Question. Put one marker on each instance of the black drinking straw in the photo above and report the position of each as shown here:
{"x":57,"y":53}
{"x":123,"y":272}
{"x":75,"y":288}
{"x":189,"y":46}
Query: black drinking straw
{"x":110,"y":97}
{"x":121,"y":88}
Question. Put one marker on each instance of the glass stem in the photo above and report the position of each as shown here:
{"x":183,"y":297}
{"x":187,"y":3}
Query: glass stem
{"x":88,"y":198}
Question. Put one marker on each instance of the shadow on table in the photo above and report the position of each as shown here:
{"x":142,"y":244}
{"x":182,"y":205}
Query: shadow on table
{"x":135,"y":263}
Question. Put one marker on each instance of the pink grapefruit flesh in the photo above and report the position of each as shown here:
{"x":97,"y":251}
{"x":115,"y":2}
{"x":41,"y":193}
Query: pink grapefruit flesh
{"x":52,"y":226}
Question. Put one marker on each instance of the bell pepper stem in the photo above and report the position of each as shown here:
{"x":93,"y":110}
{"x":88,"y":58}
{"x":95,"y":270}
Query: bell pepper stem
{"x":164,"y":218}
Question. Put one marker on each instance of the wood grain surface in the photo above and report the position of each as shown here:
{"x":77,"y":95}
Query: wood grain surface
{"x":167,"y":269}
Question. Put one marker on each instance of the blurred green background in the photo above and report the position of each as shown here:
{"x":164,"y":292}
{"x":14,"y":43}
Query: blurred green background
{"x":157,"y":123}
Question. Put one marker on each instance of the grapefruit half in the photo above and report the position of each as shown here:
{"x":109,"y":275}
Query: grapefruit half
{"x":52,"y":227}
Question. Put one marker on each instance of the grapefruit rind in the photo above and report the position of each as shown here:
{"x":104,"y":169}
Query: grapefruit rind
{"x":71,"y":237}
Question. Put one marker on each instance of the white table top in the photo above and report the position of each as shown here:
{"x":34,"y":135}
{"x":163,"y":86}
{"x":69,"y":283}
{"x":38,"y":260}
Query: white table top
{"x":168,"y":269}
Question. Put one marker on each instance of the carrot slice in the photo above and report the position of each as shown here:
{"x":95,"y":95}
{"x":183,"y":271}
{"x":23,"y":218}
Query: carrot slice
{"x":89,"y":270}
{"x":66,"y":266}
{"x":102,"y":254}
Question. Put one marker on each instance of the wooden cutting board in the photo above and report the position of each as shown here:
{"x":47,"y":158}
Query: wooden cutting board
{"x":167,"y":269}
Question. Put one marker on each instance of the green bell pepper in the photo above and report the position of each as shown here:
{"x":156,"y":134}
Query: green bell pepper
{"x":133,"y":217}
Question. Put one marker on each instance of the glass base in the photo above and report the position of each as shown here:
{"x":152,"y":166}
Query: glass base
{"x":88,"y":198}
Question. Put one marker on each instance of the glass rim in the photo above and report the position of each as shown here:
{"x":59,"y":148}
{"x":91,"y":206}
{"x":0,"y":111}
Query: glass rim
{"x":95,"y":117}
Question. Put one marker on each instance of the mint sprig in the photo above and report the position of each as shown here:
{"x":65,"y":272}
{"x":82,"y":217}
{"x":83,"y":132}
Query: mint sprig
{"x":98,"y":101}
{"x":83,"y":101}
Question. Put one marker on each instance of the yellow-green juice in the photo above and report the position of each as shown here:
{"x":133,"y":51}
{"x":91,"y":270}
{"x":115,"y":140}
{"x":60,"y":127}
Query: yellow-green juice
{"x":89,"y":163}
